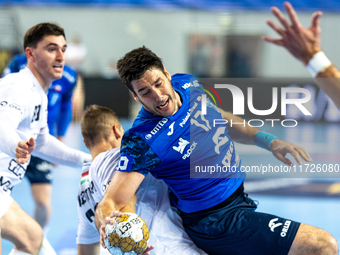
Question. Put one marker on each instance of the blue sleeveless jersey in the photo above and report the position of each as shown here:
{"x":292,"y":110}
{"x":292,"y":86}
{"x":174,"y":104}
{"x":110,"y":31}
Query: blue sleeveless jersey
{"x":180,"y":149}
{"x":59,"y":95}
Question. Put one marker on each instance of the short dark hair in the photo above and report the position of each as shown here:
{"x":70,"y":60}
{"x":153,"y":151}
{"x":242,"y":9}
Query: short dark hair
{"x":96,"y":124}
{"x":135,"y":63}
{"x":36,"y":33}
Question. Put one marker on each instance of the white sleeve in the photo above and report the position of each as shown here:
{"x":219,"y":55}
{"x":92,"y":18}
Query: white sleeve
{"x":12,"y":106}
{"x":8,"y":138}
{"x":51,"y":149}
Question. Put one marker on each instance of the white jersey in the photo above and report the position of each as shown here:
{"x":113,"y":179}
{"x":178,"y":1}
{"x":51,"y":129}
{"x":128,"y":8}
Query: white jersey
{"x":23,"y":114}
{"x":23,"y":107}
{"x":153,"y":205}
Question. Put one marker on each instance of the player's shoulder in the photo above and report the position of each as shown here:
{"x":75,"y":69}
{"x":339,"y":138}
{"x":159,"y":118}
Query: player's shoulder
{"x":21,"y":82}
{"x":104,"y":159}
{"x":182,"y":81}
{"x":70,"y":74}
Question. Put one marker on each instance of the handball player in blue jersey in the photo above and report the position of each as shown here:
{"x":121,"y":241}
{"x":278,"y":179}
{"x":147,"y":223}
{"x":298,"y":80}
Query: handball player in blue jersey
{"x":171,"y":136}
{"x":39,"y":171}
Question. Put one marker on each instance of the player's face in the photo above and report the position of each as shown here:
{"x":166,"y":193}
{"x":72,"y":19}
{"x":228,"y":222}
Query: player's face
{"x":155,"y":92}
{"x":48,"y":59}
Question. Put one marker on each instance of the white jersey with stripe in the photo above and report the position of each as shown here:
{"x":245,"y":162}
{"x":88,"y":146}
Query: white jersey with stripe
{"x":153,"y":205}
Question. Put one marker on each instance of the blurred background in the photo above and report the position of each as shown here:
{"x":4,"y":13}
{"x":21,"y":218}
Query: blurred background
{"x":209,"y":39}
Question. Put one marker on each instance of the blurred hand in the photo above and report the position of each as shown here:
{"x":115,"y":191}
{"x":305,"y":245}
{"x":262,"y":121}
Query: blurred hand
{"x":24,"y":150}
{"x":301,"y":42}
{"x":281,"y":148}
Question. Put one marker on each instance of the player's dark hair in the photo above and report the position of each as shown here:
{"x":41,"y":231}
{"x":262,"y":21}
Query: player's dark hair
{"x":96,"y":124}
{"x":135,"y":63}
{"x":38,"y":32}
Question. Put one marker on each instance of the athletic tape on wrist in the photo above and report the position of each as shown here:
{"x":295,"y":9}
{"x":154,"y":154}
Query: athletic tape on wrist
{"x":318,"y":63}
{"x":263,"y":139}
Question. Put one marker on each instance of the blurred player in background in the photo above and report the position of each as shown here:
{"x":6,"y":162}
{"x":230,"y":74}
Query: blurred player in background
{"x":102,"y":133}
{"x":39,"y":171}
{"x":304,"y":45}
{"x":24,"y":130}
{"x":75,"y":58}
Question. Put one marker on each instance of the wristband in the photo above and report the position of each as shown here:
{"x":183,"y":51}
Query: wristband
{"x":263,"y":139}
{"x":318,"y":63}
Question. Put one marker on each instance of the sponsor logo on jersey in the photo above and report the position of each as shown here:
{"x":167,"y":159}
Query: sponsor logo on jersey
{"x":69,"y":77}
{"x":44,"y":166}
{"x":16,"y":169}
{"x":158,"y":127}
{"x":57,"y":88}
{"x":285,"y":228}
{"x":181,"y":145}
{"x":272,"y":224}
{"x":191,"y":84}
{"x":189,"y":151}
{"x":171,"y":127}
{"x":125,"y":162}
{"x":9,"y":105}
{"x":188,"y":114}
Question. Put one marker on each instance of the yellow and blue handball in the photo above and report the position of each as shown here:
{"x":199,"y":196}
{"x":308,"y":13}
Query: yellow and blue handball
{"x":129,"y":235}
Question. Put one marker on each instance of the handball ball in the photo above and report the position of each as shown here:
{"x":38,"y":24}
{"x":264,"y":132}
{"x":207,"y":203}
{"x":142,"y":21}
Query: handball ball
{"x":129,"y":235}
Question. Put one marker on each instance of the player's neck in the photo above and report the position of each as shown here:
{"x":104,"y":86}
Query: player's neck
{"x":43,"y":83}
{"x":100,"y":147}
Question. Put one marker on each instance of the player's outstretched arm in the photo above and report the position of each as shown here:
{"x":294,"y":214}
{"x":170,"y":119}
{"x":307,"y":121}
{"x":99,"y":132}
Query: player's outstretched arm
{"x":304,"y":45}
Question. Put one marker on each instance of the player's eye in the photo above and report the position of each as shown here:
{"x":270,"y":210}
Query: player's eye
{"x":146,"y":93}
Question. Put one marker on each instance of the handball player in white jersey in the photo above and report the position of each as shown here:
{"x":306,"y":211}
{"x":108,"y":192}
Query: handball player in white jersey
{"x":24,"y":131}
{"x":102,"y":133}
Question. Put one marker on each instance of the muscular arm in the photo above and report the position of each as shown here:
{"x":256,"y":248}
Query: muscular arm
{"x":238,"y":132}
{"x":119,"y":195}
{"x":303,"y":44}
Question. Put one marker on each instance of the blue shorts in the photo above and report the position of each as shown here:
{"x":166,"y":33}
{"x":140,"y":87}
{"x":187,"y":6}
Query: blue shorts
{"x":39,"y":171}
{"x":237,"y":229}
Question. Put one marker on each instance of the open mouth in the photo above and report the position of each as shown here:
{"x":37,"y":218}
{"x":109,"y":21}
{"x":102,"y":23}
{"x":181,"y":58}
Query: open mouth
{"x":58,"y":66}
{"x":163,"y":105}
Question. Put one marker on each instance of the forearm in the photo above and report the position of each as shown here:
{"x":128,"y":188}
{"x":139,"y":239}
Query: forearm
{"x":329,"y":82}
{"x":51,"y":149}
{"x":107,"y":206}
{"x":239,"y":130}
{"x":8,"y":138}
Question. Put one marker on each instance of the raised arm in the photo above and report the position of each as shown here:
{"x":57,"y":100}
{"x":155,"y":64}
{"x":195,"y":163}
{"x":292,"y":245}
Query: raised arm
{"x":304,"y":45}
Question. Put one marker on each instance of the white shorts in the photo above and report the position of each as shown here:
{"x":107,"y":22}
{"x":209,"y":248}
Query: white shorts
{"x":5,"y":202}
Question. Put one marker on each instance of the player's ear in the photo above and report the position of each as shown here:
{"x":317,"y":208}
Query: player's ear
{"x":134,"y":96}
{"x":29,"y":53}
{"x":85,"y":144}
{"x":117,"y":131}
{"x":167,"y":74}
